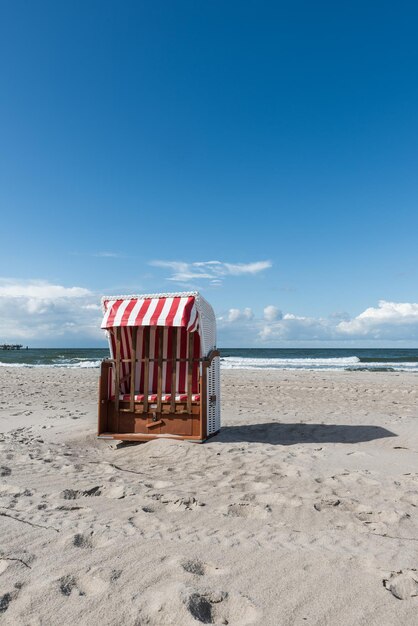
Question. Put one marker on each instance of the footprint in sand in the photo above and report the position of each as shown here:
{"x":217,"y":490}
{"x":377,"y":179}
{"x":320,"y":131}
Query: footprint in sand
{"x":67,"y":584}
{"x":5,"y":601}
{"x":202,"y":606}
{"x":116,"y":493}
{"x":73,"y":494}
{"x":327,"y":503}
{"x":248,"y":510}
{"x":6,"y":598}
{"x":189,"y":503}
{"x":378,"y":521}
{"x":220,"y":607}
{"x":196,"y":567}
{"x":115,"y":575}
{"x":81,"y":540}
{"x":403,"y":585}
{"x":65,"y":508}
{"x":148,"y":509}
{"x":84,"y":585}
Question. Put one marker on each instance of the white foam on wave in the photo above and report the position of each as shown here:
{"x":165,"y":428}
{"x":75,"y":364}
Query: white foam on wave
{"x":398,"y":366}
{"x":318,"y":364}
{"x":233,"y":362}
{"x":73,"y":364}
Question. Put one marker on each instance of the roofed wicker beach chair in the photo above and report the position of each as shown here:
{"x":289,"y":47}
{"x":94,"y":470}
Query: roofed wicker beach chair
{"x":162,"y":379}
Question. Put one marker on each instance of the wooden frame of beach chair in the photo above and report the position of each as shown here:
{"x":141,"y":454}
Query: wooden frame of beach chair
{"x":162,"y":379}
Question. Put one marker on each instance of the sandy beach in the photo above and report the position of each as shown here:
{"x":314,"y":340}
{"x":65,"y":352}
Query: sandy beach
{"x":302,"y":511}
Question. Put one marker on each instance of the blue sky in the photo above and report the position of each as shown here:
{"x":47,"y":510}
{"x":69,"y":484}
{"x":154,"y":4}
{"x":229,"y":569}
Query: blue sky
{"x":278,"y":139}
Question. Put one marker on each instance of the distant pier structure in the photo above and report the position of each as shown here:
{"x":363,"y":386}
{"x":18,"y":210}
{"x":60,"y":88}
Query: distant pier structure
{"x":11,"y":346}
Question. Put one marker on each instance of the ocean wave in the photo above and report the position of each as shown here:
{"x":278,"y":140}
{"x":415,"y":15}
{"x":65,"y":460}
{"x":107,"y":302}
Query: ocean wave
{"x":389,"y":359}
{"x":232,"y":362}
{"x":352,"y":363}
{"x":71,"y":364}
{"x":386,"y":366}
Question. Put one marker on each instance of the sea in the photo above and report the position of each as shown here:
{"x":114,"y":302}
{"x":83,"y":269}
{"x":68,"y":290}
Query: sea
{"x":318,"y":359}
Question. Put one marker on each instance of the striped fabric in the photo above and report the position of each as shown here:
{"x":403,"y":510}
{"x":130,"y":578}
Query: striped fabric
{"x":166,"y":397}
{"x":177,"y":311}
{"x":180,"y":351}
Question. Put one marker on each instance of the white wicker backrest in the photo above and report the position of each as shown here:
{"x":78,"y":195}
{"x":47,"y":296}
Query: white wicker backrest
{"x":207,"y":324}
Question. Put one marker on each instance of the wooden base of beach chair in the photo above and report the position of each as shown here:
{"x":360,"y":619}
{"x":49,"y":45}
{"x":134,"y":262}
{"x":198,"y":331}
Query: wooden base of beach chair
{"x":139,"y":424}
{"x":132,"y":420}
{"x":143,"y":438}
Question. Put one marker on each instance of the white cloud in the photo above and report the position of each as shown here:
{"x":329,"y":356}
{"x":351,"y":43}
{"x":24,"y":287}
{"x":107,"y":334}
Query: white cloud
{"x":248,"y":313}
{"x":236,"y":314}
{"x":294,"y":327}
{"x":43,"y":311}
{"x":38,"y":289}
{"x":214,"y":271}
{"x":275,"y":325}
{"x":388,"y":318}
{"x":237,"y":269}
{"x":388,"y":321}
{"x":272,"y":313}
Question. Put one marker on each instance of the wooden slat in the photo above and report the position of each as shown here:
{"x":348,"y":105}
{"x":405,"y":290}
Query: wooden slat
{"x":190,"y":351}
{"x":203,"y":402}
{"x":104,"y":393}
{"x":153,"y":424}
{"x":133,"y":368}
{"x":117,"y":368}
{"x":173,"y":370}
{"x":160,"y":332}
{"x":146,"y":367}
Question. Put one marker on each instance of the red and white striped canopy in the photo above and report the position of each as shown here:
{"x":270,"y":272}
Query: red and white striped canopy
{"x":161,"y":310}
